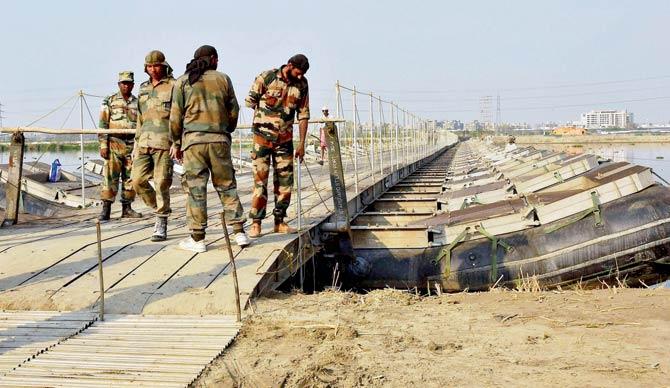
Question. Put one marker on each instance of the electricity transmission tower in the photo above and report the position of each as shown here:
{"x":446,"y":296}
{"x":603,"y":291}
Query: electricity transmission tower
{"x":498,"y":115}
{"x":485,"y":113}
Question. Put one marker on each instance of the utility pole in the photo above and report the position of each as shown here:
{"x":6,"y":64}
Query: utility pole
{"x":498,"y":115}
{"x":1,"y":116}
{"x":485,"y":111}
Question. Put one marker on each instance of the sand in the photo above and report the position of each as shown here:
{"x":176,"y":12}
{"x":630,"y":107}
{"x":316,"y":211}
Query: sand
{"x":609,"y":337}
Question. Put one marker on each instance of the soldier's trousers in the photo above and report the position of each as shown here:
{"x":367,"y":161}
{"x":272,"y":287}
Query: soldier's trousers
{"x":201,"y":160}
{"x":280,"y":156}
{"x":153,"y":163}
{"x":118,"y":167}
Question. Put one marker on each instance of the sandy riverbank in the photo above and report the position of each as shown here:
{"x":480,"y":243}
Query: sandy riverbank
{"x":613,"y":337}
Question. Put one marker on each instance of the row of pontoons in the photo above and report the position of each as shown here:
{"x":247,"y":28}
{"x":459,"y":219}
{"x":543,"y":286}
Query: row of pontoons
{"x":480,"y":215}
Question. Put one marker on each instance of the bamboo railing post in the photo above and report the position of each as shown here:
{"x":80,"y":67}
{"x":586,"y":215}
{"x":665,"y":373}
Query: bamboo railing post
{"x":231,"y":257}
{"x":100,"y":272}
{"x":13,"y":185}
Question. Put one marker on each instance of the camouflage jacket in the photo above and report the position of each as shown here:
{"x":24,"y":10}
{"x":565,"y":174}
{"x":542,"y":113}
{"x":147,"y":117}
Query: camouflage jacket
{"x":275,"y":101}
{"x":205,"y":112}
{"x":153,"y":121}
{"x":116,"y":112}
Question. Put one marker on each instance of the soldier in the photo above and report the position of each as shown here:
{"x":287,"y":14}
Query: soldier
{"x":152,"y":141}
{"x":118,"y":111}
{"x":275,"y":96}
{"x":204,"y":114}
{"x":322,"y":135}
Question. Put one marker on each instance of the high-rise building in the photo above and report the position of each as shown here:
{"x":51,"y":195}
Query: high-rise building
{"x":607,"y":119}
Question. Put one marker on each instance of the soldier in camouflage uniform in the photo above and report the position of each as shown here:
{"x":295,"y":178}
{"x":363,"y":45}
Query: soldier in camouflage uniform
{"x":152,"y":141}
{"x":276,"y":95}
{"x":118,"y":111}
{"x":204,"y":114}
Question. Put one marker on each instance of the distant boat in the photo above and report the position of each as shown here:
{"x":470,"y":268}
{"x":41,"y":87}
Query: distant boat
{"x":44,"y":198}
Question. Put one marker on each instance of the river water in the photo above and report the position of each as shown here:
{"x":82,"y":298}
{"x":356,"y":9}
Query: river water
{"x":654,"y":155}
{"x":70,"y":160}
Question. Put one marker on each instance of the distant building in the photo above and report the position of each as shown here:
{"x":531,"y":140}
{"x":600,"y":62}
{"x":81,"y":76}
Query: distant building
{"x":474,"y":125}
{"x":569,"y":130}
{"x":607,"y":119}
{"x":455,"y":125}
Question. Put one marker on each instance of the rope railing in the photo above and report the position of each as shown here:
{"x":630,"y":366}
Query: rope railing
{"x":97,"y":131}
{"x":389,"y":143}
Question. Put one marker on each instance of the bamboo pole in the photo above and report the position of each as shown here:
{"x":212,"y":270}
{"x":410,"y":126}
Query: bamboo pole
{"x":231,"y":257}
{"x":372,"y":139}
{"x":13,"y":185}
{"x":100,"y":272}
{"x":81,"y":138}
{"x":381,"y":141}
{"x":355,"y":141}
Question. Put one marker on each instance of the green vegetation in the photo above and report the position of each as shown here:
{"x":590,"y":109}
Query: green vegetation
{"x":55,"y":146}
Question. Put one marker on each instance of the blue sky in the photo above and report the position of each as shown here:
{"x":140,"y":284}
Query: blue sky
{"x":548,"y":60}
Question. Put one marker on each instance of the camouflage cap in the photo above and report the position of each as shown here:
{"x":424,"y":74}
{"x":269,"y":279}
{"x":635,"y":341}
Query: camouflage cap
{"x":126,"y":76}
{"x":156,"y":57}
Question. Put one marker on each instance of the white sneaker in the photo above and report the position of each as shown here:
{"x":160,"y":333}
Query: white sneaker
{"x":241,"y":239}
{"x":189,"y":244}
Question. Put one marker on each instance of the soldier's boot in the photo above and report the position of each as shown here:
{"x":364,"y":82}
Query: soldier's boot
{"x":160,"y":229}
{"x":255,"y":230}
{"x":128,"y":212}
{"x":106,"y":210}
{"x":282,"y":227}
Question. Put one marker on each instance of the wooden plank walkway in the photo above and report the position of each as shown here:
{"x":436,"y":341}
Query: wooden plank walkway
{"x":130,"y":350}
{"x":55,"y":267}
{"x":24,"y":334}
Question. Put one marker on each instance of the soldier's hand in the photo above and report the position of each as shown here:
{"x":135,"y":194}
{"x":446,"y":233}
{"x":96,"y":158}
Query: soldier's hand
{"x":176,"y":153}
{"x":300,"y":152}
{"x":104,"y":153}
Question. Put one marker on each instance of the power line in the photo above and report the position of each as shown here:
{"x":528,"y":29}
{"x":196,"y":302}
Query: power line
{"x":550,"y":107}
{"x":599,"y":83}
{"x":538,"y":96}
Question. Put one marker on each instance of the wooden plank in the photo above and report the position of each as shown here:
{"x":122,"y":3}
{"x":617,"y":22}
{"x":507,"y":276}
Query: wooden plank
{"x":156,"y":365}
{"x":106,"y":376}
{"x":79,"y":381}
{"x":557,"y":174}
{"x":13,"y":185}
{"x":416,"y":205}
{"x":186,"y":351}
{"x":389,"y":218}
{"x":126,"y":359}
{"x":390,"y":237}
{"x":605,"y":193}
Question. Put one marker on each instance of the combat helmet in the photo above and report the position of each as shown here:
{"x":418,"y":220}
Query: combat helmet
{"x":157,"y":57}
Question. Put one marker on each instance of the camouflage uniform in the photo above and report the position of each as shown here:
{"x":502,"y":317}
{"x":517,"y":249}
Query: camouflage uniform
{"x":203,"y":116}
{"x":152,"y":145}
{"x":117,"y":113}
{"x":275,"y":101}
